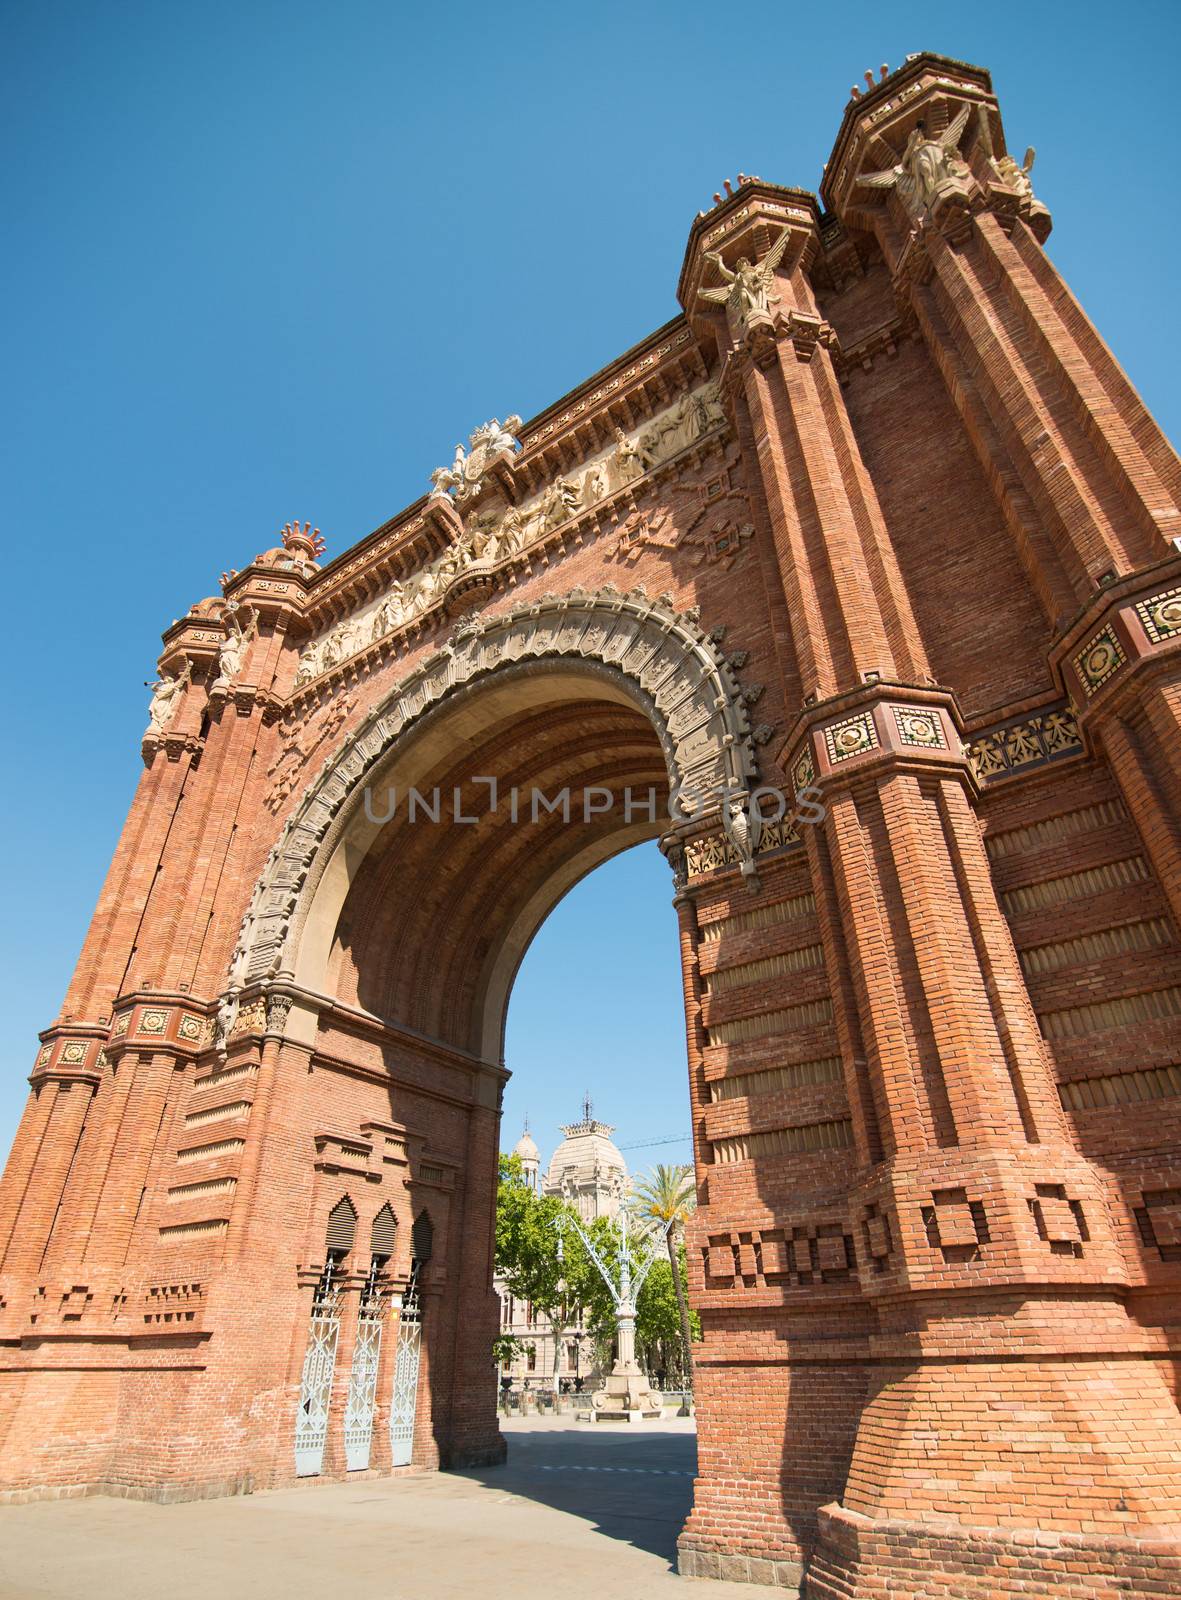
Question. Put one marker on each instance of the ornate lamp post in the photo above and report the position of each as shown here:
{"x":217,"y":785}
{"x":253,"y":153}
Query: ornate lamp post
{"x":625,"y":1396}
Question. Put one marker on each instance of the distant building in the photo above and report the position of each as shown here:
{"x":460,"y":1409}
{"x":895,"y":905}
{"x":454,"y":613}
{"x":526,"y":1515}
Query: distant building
{"x":588,"y":1171}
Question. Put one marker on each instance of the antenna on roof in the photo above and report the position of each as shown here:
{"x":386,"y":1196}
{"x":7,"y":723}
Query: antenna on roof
{"x":587,"y":1109}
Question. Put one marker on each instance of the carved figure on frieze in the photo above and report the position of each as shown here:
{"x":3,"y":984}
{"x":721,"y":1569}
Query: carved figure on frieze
{"x":309,"y":665}
{"x":594,"y":484}
{"x":391,"y":613}
{"x":483,"y":537}
{"x":927,"y":164}
{"x":166,"y":693}
{"x":748,"y":292}
{"x":560,"y":504}
{"x":513,"y":532}
{"x":698,"y":413}
{"x":629,"y":461}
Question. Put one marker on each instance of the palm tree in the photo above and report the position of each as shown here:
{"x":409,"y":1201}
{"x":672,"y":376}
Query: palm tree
{"x":666,"y":1197}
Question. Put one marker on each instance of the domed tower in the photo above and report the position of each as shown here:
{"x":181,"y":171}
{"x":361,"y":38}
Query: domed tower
{"x":587,"y":1169}
{"x":530,"y":1156}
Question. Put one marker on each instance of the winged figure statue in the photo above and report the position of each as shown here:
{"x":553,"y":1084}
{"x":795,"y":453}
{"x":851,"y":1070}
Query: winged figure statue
{"x":1005,"y":167}
{"x":748,"y":291}
{"x":925,"y":164}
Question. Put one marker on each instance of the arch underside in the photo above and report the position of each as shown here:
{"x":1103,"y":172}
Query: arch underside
{"x":438,"y":914}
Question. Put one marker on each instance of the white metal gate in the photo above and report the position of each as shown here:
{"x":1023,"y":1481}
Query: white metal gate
{"x":315,"y":1390}
{"x":362,"y":1396}
{"x":404,"y":1403}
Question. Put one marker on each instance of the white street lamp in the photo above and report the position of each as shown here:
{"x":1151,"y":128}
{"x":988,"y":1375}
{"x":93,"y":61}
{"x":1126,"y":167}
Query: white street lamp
{"x":625,"y":1397}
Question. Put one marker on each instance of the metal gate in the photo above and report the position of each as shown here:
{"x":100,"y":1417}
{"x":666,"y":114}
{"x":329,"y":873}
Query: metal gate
{"x":315,"y":1390}
{"x":405,"y":1397}
{"x":362,"y":1396}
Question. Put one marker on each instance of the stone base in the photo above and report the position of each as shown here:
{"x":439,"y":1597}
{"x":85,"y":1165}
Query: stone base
{"x":863,"y":1558}
{"x":625,"y":1397}
{"x":781,"y":1575}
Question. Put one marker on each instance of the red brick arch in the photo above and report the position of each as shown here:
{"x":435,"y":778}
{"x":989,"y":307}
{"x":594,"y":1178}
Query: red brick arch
{"x":886,"y":462}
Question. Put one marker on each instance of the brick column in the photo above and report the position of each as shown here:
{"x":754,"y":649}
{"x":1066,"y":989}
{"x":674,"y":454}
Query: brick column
{"x":1089,"y":484}
{"x":849,"y":611}
{"x":985,"y":1243}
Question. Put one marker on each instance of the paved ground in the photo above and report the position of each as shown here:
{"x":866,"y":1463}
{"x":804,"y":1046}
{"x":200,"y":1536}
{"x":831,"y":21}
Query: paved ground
{"x":580,"y":1513}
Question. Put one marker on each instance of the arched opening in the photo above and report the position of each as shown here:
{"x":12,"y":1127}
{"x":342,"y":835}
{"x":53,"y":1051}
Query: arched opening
{"x":598,"y":1096}
{"x":506,"y":797}
{"x":407,"y":886}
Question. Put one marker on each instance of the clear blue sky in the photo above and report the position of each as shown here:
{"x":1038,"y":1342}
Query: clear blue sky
{"x":270,"y":261}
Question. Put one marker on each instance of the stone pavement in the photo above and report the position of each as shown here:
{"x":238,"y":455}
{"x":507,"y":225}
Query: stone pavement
{"x":589,"y":1515}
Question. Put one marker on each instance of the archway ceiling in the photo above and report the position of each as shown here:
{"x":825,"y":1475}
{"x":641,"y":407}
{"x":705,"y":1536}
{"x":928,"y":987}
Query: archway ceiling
{"x":438,"y":909}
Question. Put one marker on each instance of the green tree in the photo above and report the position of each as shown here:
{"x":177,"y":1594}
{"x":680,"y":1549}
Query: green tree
{"x":527,"y":1256}
{"x":506,"y":1347}
{"x":665,"y":1198}
{"x":659,"y":1342}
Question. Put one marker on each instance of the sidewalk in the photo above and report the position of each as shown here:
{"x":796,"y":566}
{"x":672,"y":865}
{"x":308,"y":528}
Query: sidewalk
{"x":587,"y":1511}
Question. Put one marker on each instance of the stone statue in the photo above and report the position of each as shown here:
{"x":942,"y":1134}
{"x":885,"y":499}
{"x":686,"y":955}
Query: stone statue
{"x":166,"y":693}
{"x":448,"y":478}
{"x":747,"y":292}
{"x":1017,"y":177}
{"x":926,"y":165}
{"x":233,"y":646}
{"x":465,"y":476}
{"x":743,"y":827}
{"x":1005,"y":167}
{"x":227,"y":1015}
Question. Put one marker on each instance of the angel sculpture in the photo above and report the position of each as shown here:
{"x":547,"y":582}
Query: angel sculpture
{"x":233,"y":646}
{"x":926,"y":164}
{"x":747,"y":292}
{"x":1005,"y":168}
{"x":165,"y":694}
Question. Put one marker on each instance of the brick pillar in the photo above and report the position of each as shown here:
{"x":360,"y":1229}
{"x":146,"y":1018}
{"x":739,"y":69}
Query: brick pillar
{"x":986,"y":1247}
{"x":1090,"y":486}
{"x":849,"y":612}
{"x":1120,"y":663}
{"x":469,"y":1318}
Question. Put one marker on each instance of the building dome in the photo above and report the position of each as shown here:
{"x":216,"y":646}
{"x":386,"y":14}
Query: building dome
{"x":587,"y":1169}
{"x":526,"y":1148}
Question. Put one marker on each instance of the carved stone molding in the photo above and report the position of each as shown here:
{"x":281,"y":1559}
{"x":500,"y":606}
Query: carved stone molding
{"x":704,"y":728}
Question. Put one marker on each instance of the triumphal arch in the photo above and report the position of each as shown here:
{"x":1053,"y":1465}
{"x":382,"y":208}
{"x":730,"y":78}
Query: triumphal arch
{"x":857,"y":585}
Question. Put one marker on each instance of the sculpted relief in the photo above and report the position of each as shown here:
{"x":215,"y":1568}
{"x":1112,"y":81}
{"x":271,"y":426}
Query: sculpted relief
{"x":478,"y":485}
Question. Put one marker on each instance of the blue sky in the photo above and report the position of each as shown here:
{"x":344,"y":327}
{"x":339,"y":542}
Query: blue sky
{"x":270,"y":261}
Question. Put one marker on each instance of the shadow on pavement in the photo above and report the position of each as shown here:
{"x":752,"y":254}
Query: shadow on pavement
{"x":635,"y":1486}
